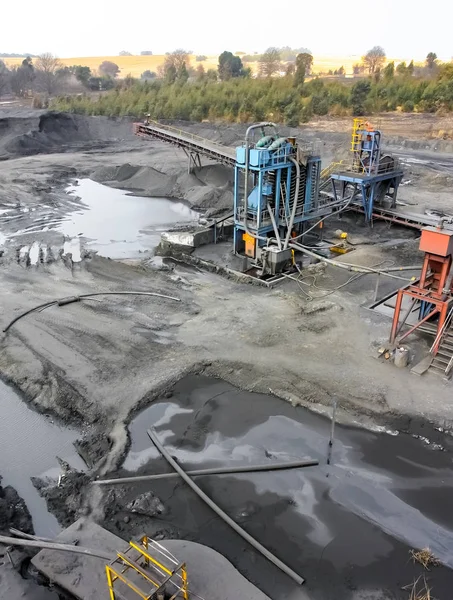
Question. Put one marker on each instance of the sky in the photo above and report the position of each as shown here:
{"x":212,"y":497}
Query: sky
{"x":404,"y":28}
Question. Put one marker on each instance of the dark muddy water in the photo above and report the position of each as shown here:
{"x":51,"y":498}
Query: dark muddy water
{"x":29,"y":444}
{"x":347,"y":528}
{"x":118,"y":225}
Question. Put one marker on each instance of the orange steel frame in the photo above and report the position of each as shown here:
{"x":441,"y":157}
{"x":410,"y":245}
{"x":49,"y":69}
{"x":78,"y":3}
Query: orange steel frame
{"x":431,"y":289}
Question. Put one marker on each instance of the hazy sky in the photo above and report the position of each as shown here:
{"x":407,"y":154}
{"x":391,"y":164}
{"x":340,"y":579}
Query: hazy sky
{"x":405,"y":28}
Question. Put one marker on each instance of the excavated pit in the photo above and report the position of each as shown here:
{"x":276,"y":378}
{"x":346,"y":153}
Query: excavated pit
{"x":347,"y":528}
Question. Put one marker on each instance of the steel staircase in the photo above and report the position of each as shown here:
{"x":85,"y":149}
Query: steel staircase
{"x":442,"y":362}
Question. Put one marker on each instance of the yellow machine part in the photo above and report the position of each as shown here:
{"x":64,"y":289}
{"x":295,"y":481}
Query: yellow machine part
{"x":250,"y":245}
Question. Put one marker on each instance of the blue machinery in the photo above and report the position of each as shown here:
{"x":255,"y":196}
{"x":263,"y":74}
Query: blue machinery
{"x":372,"y":176}
{"x":276,"y":191}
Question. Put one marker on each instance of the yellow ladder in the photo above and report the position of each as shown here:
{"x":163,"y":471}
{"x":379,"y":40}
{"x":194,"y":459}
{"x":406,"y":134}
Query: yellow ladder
{"x":356,"y":137}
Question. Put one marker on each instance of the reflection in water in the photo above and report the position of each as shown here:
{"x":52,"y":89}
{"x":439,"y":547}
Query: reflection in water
{"x":118,"y":225}
{"x":29,"y":444}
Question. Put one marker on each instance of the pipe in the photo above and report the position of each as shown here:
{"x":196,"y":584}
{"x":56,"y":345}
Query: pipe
{"x":10,"y":541}
{"x":274,"y":225}
{"x":352,"y":267}
{"x":214,"y":471}
{"x":246,"y":183}
{"x":296,"y":198}
{"x":28,"y":536}
{"x":246,"y":536}
{"x":72,"y":299}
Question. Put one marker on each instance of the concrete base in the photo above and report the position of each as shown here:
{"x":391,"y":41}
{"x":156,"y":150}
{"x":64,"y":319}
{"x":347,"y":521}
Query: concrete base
{"x":210,"y":575}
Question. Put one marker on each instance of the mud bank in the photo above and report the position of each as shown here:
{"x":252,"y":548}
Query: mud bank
{"x":347,"y":528}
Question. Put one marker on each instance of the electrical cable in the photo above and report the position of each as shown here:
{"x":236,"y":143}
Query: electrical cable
{"x":310,"y":297}
{"x":72,"y":299}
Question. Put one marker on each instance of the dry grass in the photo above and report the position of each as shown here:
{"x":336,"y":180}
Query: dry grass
{"x":425,"y":557}
{"x":135,"y":65}
{"x":419,"y":590}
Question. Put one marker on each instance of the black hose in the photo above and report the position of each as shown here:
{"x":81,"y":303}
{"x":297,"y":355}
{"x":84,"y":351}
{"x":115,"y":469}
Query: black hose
{"x":228,"y":520}
{"x":72,"y":299}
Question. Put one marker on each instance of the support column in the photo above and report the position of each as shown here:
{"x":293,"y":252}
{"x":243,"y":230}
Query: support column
{"x":396,"y":316}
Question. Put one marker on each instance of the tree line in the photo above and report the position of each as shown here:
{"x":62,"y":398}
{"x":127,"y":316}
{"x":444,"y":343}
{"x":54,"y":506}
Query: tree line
{"x":46,"y":75}
{"x":283,"y":92}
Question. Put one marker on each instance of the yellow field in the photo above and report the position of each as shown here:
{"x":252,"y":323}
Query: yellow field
{"x":135,"y":65}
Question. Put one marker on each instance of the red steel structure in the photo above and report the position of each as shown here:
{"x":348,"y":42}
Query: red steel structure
{"x":433,"y":295}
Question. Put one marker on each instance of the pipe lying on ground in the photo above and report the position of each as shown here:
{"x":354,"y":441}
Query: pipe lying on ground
{"x":355,"y":268}
{"x":10,"y":541}
{"x":28,"y":536}
{"x":72,"y":299}
{"x":214,"y":471}
{"x":228,"y":520}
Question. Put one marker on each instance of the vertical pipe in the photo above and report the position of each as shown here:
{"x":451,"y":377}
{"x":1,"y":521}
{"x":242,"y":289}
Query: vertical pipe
{"x":332,"y":430}
{"x":278,"y":181}
{"x":295,"y":202}
{"x":260,"y":207}
{"x":274,"y":225}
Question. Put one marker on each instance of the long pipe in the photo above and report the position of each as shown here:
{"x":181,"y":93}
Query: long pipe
{"x":72,"y":299}
{"x":274,"y":225}
{"x":214,"y":471}
{"x":354,"y":268}
{"x":295,"y":201}
{"x":264,"y":551}
{"x":246,"y":183}
{"x":10,"y":541}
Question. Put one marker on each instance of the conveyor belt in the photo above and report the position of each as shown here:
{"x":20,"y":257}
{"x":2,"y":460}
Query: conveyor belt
{"x":414,"y":220}
{"x":190,"y":143}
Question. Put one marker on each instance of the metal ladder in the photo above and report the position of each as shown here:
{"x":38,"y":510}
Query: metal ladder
{"x":442,"y":363}
{"x":356,"y":141}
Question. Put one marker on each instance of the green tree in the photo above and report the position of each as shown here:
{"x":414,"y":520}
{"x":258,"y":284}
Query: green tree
{"x":431,"y":60}
{"x":269,"y":62}
{"x":305,"y":59}
{"x":230,"y":66}
{"x":410,"y":68}
{"x":389,"y":71}
{"x":82,"y":74}
{"x":201,"y":73}
{"x":148,"y":74}
{"x":182,"y":75}
{"x":23,"y":77}
{"x":4,"y":78}
{"x":109,"y":68}
{"x":170,"y":74}
{"x":359,"y":95}
{"x":401,"y":68}
{"x":211,"y":75}
{"x":304,"y":62}
{"x":374,"y":59}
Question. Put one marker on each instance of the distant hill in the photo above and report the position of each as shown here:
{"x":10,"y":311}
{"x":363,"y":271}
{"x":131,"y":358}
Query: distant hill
{"x":15,"y":55}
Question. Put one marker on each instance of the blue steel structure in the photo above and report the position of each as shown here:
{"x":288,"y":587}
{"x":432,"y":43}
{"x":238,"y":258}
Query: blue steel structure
{"x":372,"y":177}
{"x":269,"y":207}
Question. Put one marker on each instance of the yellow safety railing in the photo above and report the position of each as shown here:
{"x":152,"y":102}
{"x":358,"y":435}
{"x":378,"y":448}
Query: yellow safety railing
{"x":149,"y":568}
{"x":334,"y":166}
